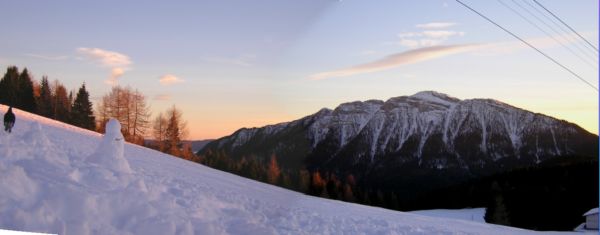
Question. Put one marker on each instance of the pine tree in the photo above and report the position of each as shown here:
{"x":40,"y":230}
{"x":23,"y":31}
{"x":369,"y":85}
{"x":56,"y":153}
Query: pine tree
{"x":496,"y":211}
{"x":44,"y":101}
{"x":332,"y":186}
{"x":81,"y":112}
{"x":25,"y":98}
{"x":9,"y":86}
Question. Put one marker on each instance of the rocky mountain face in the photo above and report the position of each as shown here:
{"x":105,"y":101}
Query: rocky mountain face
{"x":425,"y":131}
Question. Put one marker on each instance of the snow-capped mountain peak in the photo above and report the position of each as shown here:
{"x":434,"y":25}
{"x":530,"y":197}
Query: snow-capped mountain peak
{"x":436,"y":97}
{"x":431,"y":128}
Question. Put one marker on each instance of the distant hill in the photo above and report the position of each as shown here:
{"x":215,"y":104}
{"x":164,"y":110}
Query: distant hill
{"x":197,"y":145}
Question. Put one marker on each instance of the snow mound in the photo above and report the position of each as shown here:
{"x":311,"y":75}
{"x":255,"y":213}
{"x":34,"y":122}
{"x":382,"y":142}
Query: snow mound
{"x":126,"y":189}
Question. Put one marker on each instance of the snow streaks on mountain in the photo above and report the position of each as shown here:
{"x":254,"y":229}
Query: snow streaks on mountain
{"x":430,"y":129}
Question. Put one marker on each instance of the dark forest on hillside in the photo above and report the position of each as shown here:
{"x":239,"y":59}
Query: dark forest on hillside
{"x":549,"y":196}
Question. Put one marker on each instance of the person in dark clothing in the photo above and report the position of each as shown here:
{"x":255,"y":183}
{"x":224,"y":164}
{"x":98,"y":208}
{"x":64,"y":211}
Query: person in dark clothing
{"x":9,"y":120}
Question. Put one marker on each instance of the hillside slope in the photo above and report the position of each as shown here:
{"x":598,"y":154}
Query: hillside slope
{"x":48,"y":186}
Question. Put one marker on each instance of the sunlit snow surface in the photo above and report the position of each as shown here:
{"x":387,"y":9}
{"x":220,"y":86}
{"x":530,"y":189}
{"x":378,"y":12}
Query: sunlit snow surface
{"x":49,"y":183}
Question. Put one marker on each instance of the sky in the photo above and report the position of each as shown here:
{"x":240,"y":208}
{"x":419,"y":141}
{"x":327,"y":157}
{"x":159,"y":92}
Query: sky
{"x":230,"y":64}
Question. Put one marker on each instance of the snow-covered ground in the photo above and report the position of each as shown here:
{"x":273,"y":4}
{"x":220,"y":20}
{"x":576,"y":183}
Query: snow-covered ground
{"x":469,"y":214}
{"x":53,"y":180}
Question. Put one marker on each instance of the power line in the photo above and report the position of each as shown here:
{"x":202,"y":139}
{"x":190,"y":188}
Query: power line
{"x":585,"y":52}
{"x":561,"y":21}
{"x":568,"y":35}
{"x":591,"y":64}
{"x":535,"y":48}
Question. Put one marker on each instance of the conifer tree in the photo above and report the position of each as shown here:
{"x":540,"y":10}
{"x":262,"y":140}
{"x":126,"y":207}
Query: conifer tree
{"x":496,"y":211}
{"x":44,"y":101}
{"x":81,"y":113}
{"x":9,"y":86}
{"x":25,"y":98}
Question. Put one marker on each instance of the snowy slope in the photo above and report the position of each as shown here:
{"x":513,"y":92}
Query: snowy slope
{"x":470,"y":214}
{"x":50,"y":183}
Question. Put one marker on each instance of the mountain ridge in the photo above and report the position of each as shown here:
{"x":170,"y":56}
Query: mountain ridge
{"x":434,"y":129}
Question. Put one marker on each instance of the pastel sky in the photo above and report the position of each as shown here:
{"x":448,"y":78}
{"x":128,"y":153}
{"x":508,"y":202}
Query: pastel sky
{"x":229,"y":64}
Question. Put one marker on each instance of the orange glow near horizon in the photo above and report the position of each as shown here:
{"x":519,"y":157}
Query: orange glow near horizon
{"x":584,"y":115}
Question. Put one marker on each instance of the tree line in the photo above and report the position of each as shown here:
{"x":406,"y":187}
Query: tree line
{"x":128,"y":106}
{"x":317,"y":183}
{"x":549,"y":196}
{"x":552,"y":195}
{"x":51,"y":100}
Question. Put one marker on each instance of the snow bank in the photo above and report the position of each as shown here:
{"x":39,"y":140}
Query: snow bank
{"x":59,"y":179}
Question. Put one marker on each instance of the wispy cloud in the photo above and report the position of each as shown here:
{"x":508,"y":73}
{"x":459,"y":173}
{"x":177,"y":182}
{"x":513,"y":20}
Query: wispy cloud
{"x":434,"y":52}
{"x":245,"y":60}
{"x":162,"y":97}
{"x":395,"y":60}
{"x":441,"y":33}
{"x":431,"y":34}
{"x":426,"y":38}
{"x":169,"y":79}
{"x":105,"y":57}
{"x":117,"y":62}
{"x":435,"y":25}
{"x":46,"y":57}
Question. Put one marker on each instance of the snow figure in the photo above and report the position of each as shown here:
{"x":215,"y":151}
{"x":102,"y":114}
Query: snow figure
{"x":110,"y":152}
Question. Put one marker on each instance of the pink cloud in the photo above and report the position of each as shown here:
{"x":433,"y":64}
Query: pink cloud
{"x":396,"y":60}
